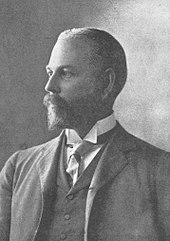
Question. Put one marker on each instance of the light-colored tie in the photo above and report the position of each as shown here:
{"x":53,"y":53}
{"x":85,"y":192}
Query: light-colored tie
{"x":73,"y":166}
{"x":75,"y":160}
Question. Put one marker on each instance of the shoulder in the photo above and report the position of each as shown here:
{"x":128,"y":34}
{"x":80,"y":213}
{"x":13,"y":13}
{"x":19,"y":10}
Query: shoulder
{"x":149,"y":162}
{"x":30,"y":155}
{"x":140,"y":149}
{"x":39,"y":148}
{"x":148,"y":150}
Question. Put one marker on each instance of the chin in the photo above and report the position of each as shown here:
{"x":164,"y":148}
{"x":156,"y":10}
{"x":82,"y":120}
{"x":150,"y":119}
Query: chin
{"x":57,"y":120}
{"x":57,"y":124}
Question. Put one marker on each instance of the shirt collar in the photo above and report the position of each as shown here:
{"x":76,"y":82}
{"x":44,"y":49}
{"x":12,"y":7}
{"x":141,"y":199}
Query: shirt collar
{"x":99,"y":128}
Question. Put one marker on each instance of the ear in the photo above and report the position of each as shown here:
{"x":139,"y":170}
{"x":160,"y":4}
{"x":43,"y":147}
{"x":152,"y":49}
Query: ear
{"x":109,"y":82}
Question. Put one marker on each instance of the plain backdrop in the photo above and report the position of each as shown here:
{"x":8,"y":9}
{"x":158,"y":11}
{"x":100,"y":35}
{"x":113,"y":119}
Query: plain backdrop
{"x":28,"y":31}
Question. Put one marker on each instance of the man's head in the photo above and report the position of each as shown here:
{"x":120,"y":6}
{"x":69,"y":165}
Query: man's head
{"x":87,"y":70}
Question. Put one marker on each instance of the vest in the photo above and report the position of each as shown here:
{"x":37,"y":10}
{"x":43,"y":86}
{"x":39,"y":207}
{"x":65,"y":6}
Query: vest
{"x":64,"y":208}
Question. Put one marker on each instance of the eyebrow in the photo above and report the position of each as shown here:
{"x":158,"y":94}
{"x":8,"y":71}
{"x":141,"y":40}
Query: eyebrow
{"x":59,"y":67}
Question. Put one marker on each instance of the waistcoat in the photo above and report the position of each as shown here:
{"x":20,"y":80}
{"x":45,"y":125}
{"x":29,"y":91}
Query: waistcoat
{"x":64,"y":208}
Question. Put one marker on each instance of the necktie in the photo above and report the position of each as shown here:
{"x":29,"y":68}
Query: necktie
{"x":75,"y":159}
{"x":73,"y":166}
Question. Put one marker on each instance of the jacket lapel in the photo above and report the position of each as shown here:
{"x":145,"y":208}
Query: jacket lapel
{"x":47,"y":164}
{"x":111,"y":163}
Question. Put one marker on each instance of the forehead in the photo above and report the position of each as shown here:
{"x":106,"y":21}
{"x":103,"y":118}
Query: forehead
{"x":73,"y":52}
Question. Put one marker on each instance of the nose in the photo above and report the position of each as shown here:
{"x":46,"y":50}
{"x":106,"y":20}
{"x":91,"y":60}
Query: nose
{"x":52,"y":85}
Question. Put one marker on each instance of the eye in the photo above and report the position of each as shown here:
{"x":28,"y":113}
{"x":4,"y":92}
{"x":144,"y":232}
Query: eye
{"x":65,"y":73}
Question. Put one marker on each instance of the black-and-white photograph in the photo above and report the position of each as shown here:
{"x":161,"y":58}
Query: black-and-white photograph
{"x":85,"y":120}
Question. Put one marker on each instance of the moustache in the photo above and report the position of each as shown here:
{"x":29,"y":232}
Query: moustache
{"x":55,"y":100}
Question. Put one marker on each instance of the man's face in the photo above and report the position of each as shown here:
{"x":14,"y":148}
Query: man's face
{"x":73,"y":86}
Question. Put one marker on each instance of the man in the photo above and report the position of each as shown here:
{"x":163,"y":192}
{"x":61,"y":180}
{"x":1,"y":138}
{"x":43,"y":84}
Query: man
{"x":95,"y":182}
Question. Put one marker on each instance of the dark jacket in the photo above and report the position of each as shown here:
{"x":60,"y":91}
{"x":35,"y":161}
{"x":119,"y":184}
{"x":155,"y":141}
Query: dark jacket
{"x":128,"y":199}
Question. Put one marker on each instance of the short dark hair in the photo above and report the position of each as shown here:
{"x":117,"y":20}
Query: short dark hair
{"x":107,"y":47}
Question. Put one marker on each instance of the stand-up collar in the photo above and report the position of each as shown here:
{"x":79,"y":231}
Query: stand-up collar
{"x":101,"y":126}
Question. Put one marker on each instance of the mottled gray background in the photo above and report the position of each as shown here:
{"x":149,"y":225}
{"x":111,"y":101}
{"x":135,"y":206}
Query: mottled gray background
{"x":28,"y":29}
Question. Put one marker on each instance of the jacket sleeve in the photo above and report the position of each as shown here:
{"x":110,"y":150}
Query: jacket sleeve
{"x":163,"y":196}
{"x":6,"y":184}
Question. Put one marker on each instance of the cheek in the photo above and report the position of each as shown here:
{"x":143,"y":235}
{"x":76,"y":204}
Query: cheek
{"x":78,"y":90}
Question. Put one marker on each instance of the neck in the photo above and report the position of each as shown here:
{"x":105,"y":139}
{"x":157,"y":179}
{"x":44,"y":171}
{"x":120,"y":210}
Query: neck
{"x":82,"y":130}
{"x":85,"y":126}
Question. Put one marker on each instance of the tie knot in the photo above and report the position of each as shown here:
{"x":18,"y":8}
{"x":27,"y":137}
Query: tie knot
{"x":80,"y":150}
{"x":77,"y":156}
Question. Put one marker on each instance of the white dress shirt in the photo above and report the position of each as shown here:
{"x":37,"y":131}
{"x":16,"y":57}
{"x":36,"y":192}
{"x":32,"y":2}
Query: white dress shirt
{"x":74,"y":140}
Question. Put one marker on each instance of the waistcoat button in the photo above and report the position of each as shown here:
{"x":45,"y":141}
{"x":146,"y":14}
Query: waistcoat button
{"x":63,"y":236}
{"x":67,"y":216}
{"x":70,"y":197}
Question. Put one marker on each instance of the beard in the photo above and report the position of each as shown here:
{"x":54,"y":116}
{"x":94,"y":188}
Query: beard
{"x":63,"y":115}
{"x":59,"y":114}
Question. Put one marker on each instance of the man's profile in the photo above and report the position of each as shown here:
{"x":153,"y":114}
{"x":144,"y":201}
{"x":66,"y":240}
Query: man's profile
{"x":95,"y":182}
